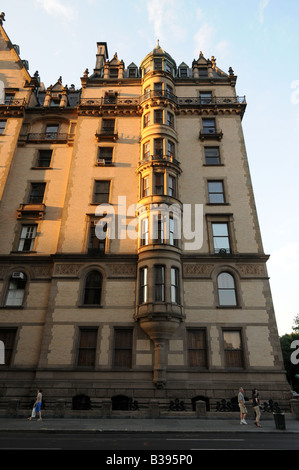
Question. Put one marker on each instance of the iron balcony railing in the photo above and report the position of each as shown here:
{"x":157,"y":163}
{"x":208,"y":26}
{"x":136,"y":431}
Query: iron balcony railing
{"x":50,"y":136}
{"x":13,"y":102}
{"x":160,"y":157}
{"x":164,"y":94}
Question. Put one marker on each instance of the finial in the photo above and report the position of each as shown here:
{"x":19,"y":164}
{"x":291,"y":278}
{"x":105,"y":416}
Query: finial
{"x":2,"y":15}
{"x":158,"y":44}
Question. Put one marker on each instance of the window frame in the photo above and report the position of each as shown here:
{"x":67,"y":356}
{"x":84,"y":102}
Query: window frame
{"x":123,"y":353}
{"x":23,"y":238}
{"x":228,"y":287}
{"x":159,"y":283}
{"x":197,"y":348}
{"x":92,"y":289}
{"x":90,"y":348}
{"x":101,"y":194}
{"x":237,"y":358}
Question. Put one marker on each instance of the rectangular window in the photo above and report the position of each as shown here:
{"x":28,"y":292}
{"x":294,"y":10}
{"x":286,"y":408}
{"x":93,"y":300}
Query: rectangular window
{"x":123,"y":343}
{"x":159,"y":279}
{"x":221,"y":238}
{"x":174,"y":278}
{"x":158,"y":147}
{"x":44,"y":158}
{"x":101,"y":192}
{"x":113,"y":72}
{"x":205,"y":97}
{"x":233,"y":350}
{"x":7,"y":337}
{"x":212,"y":156}
{"x":197,"y":348}
{"x":27,"y":238}
{"x":37,"y":192}
{"x":209,"y":126}
{"x":105,"y":154}
{"x":158,"y":89}
{"x":146,"y":119}
{"x":143,"y":286}
{"x":145,"y":186}
{"x":158,"y":64}
{"x":96,"y":244}
{"x":159,"y":183}
{"x":108,"y":126}
{"x":2,"y":127}
{"x":51,"y":131}
{"x":171,"y":186}
{"x":173,"y":231}
{"x":170,"y":150}
{"x":158,"y":116}
{"x":87,"y":347}
{"x":216,"y":192}
{"x":144,"y":232}
{"x":170,"y":120}
{"x":9,"y":98}
{"x":146,"y":151}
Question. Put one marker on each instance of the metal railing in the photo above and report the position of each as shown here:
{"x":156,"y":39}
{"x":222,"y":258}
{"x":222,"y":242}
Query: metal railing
{"x":13,"y":102}
{"x":164,"y":94}
{"x":49,"y":136}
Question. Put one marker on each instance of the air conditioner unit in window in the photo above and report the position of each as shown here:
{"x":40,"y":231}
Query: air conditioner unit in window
{"x":18,"y":275}
{"x":101,"y":161}
{"x":222,"y":250}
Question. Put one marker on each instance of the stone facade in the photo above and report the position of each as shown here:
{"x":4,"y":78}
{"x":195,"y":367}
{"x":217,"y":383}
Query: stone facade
{"x":141,"y":315}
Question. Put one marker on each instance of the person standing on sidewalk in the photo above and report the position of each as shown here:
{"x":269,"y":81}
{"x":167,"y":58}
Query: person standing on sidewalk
{"x":243,"y":409}
{"x":37,"y":407}
{"x":256,"y":407}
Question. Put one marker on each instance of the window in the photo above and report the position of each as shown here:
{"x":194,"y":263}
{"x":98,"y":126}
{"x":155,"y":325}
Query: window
{"x":183,"y":72}
{"x":216,"y":192}
{"x":158,"y":64}
{"x":158,"y":116}
{"x":158,"y":89}
{"x":233,"y":350}
{"x":197,"y":348}
{"x":159,"y":183}
{"x":171,"y":186}
{"x":87,"y":347}
{"x":174,"y":288}
{"x":158,"y":148}
{"x":221,"y":238}
{"x":2,"y":127}
{"x":123,"y":341}
{"x":170,"y":150}
{"x":9,"y":98}
{"x":105,"y":153}
{"x":203,"y":72}
{"x":51,"y":131}
{"x":208,"y":126}
{"x":159,"y":279}
{"x":144,"y":232}
{"x":170,"y":119}
{"x":95,"y":244}
{"x":159,"y":229}
{"x":143,"y":285}
{"x":205,"y":97}
{"x":173,"y":231}
{"x":146,"y":151}
{"x":16,"y":290}
{"x":101,"y":192}
{"x":108,"y":126}
{"x":7,"y":337}
{"x":44,"y":158}
{"x":27,"y":238}
{"x":145,"y":186}
{"x":113,"y":72}
{"x":147,"y":120}
{"x":212,"y":156}
{"x":37,"y":191}
{"x":93,"y":288}
{"x":226,"y":290}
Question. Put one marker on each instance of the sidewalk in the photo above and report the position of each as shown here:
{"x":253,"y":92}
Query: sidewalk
{"x":164,"y":425}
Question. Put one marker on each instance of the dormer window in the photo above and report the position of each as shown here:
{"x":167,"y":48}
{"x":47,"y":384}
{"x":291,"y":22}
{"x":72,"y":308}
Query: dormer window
{"x":113,"y":72}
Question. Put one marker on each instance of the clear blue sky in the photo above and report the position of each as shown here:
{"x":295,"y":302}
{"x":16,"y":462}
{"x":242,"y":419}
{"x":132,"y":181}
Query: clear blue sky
{"x":257,"y":38}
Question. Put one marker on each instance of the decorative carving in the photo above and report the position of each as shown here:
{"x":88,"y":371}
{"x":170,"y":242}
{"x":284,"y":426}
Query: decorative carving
{"x":67,"y":269}
{"x":252,"y":269}
{"x":197,"y":270}
{"x":122,"y":270}
{"x":42,"y":271}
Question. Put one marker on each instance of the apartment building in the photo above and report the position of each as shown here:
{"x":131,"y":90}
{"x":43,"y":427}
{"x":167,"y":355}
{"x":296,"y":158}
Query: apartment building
{"x":131,"y":261}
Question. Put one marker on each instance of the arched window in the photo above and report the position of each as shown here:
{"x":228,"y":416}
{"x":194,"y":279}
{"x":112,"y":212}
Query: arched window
{"x":226,"y":290}
{"x":93,"y":288}
{"x":16,"y":290}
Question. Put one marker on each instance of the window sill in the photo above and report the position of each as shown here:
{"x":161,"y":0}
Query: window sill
{"x":231,"y":307}
{"x":90,"y":306}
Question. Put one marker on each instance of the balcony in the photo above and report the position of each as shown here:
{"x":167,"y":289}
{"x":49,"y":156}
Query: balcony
{"x":107,"y":134}
{"x":12,"y":107}
{"x":50,"y":137}
{"x":159,"y":158}
{"x":210,"y":134}
{"x":31,"y":211}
